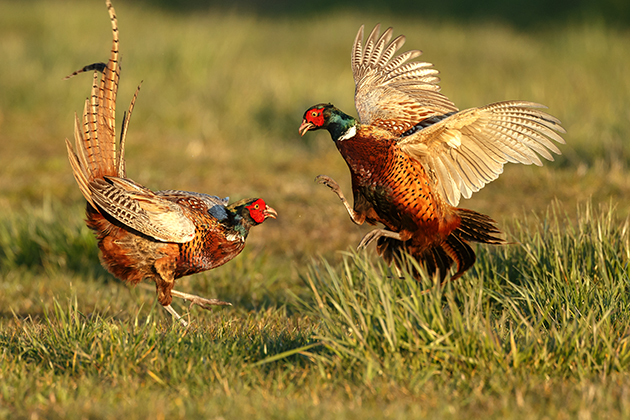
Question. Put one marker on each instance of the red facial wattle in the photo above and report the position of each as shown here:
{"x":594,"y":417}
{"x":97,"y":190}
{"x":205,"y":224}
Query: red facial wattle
{"x":313,"y":119}
{"x":315,"y":116}
{"x":259,"y":211}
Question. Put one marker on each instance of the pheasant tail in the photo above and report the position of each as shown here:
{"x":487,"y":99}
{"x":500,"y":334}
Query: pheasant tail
{"x":95,"y":153}
{"x":438,"y":259}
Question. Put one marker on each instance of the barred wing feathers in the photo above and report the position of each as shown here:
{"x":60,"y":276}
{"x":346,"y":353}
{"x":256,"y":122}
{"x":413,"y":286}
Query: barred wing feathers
{"x":392,"y":92}
{"x":143,"y":210}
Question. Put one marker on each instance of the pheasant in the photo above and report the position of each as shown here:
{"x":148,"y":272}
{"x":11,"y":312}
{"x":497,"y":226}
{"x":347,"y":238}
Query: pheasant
{"x":412,"y":155}
{"x":142,"y":234}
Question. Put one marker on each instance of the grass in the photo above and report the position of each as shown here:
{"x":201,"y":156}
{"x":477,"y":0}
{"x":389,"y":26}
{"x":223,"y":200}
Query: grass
{"x":539,"y":328}
{"x":561,"y":294}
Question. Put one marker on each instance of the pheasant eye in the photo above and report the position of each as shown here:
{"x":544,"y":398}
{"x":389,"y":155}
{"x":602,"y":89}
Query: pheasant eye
{"x":314,"y":114}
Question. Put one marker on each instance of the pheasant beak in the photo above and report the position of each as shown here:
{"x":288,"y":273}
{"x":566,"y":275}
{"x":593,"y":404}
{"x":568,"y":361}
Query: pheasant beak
{"x":269,"y":212}
{"x":305,"y":126}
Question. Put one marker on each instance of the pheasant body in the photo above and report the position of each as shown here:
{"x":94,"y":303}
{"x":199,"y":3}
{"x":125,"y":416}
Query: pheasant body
{"x":412,"y":154}
{"x":133,"y":257}
{"x":160,"y":236}
{"x":395,"y":186}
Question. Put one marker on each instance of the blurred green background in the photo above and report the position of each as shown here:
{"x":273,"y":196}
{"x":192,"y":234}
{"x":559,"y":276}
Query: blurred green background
{"x":225,"y":86}
{"x":224,"y":90}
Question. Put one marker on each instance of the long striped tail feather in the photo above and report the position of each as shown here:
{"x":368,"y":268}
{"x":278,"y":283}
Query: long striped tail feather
{"x":96,"y":153}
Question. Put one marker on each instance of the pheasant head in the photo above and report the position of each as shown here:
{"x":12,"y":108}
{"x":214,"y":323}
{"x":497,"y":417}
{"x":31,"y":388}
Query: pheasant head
{"x":252,"y":211}
{"x":341,"y":126}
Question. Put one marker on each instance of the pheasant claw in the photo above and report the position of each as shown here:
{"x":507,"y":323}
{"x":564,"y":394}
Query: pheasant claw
{"x":329,"y":182}
{"x":197,"y":300}
{"x":375,"y":234}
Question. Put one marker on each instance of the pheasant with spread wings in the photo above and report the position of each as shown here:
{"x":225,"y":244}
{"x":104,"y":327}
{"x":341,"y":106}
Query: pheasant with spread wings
{"x":412,"y":155}
{"x":142,"y":234}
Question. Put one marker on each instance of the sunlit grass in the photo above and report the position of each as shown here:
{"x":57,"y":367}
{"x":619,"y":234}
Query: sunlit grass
{"x":556,"y":302}
{"x":542,"y":325}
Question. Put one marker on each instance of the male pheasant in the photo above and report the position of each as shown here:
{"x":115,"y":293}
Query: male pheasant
{"x":414,"y":154}
{"x":142,"y":234}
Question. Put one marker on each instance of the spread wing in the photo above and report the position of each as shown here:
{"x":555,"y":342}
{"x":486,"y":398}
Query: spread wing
{"x":392,"y":92}
{"x":468,"y":149}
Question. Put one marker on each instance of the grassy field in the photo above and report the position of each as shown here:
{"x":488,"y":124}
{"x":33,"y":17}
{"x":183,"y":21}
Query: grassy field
{"x":537,"y":329}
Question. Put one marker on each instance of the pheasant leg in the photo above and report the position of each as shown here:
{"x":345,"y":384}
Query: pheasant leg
{"x":197,"y":300}
{"x":375,"y":234}
{"x":175,"y":315}
{"x":332,"y":184}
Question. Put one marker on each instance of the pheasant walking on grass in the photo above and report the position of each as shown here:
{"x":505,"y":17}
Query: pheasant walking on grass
{"x":413,"y":154}
{"x":142,"y":234}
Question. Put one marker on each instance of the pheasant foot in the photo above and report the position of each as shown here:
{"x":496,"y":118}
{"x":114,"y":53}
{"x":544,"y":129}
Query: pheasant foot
{"x":197,"y":300}
{"x":332,"y":184}
{"x":375,"y":234}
